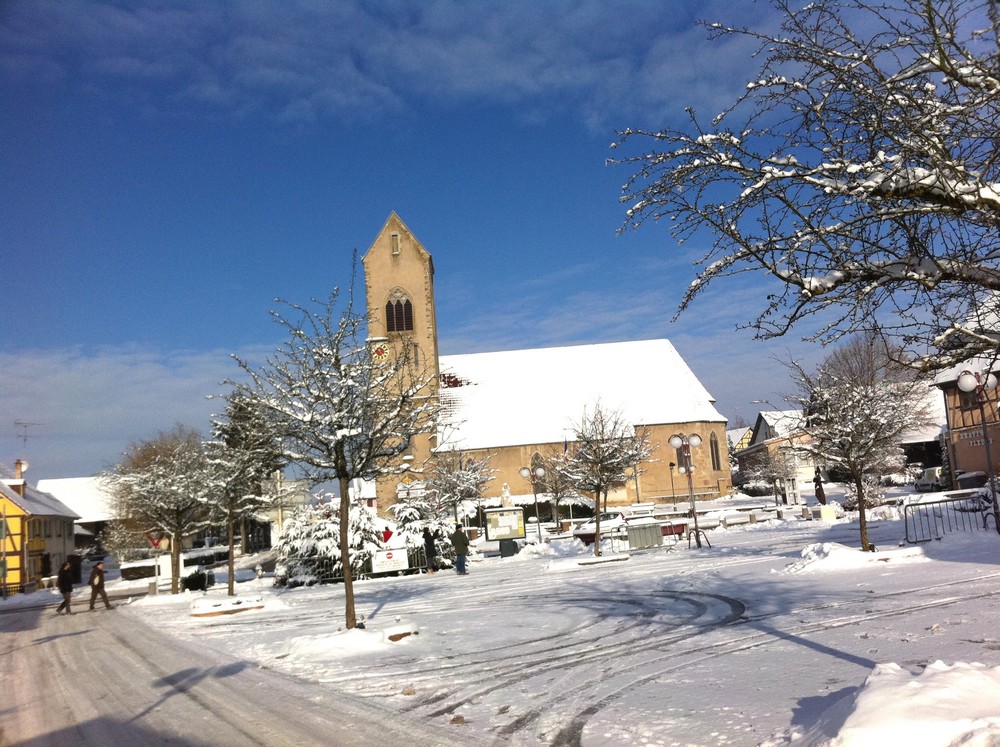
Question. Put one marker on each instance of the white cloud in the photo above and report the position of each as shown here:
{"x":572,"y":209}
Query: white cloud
{"x":605,"y":64}
{"x":88,"y":406}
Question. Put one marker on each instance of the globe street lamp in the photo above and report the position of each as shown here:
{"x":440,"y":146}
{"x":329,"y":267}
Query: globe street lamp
{"x":535,"y":475}
{"x":980,"y":384}
{"x":683,"y":445}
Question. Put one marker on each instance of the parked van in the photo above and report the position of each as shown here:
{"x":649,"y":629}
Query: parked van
{"x":929,"y":480}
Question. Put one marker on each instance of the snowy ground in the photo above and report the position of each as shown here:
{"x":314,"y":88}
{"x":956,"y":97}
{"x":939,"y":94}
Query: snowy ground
{"x":779,"y":633}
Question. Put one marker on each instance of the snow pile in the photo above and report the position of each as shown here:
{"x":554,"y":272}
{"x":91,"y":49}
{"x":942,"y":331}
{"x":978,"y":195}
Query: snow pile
{"x":896,"y":707}
{"x":208,"y":606}
{"x":832,"y":556}
{"x":341,"y":643}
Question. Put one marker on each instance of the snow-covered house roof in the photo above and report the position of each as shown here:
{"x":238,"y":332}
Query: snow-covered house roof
{"x":35,"y":502}
{"x":978,"y":364}
{"x":537,"y":396}
{"x":85,"y":495}
{"x":739,"y":437}
{"x":776,"y":424}
{"x":937,"y":420}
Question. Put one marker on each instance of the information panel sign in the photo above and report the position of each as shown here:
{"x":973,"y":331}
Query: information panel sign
{"x":504,"y":523}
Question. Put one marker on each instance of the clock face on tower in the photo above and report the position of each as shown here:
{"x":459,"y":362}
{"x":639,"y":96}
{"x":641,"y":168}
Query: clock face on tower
{"x":380,"y":353}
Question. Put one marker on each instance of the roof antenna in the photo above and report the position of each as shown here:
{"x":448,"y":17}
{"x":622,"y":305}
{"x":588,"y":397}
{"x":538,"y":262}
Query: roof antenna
{"x":23,"y":426}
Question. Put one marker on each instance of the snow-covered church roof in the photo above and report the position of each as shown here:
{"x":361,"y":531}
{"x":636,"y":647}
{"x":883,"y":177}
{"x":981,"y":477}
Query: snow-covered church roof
{"x":537,"y":396}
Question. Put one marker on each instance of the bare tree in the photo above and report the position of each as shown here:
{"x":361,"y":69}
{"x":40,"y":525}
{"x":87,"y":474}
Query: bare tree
{"x":165,"y":485}
{"x":457,"y":478}
{"x":605,"y":451}
{"x":859,"y":170}
{"x":342,"y":414}
{"x":776,"y":467}
{"x":858,"y":406}
{"x":558,"y":483}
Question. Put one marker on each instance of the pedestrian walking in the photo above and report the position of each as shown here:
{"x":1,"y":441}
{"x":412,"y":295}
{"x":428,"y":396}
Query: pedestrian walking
{"x":97,"y":585}
{"x":460,"y":541}
{"x":430,"y":550}
{"x":64,"y":582}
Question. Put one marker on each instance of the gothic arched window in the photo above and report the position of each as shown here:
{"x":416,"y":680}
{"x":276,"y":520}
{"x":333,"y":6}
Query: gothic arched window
{"x":398,"y":313}
{"x":713,"y":445}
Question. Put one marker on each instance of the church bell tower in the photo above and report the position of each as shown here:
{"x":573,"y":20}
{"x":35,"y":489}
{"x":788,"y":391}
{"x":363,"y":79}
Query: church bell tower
{"x":399,"y":293}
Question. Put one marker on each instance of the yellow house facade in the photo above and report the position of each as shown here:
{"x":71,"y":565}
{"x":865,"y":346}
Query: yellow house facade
{"x":36,"y":534}
{"x":519,"y":405}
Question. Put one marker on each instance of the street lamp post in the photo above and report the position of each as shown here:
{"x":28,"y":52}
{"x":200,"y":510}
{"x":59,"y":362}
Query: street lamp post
{"x":534,"y":476}
{"x":980,"y":384}
{"x":673,"y":493}
{"x":683,"y":445}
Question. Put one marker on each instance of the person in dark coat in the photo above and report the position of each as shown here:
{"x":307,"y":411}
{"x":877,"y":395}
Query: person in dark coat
{"x":97,"y":586}
{"x":64,"y":582}
{"x":820,"y":493}
{"x":460,"y":541}
{"x":430,"y":550}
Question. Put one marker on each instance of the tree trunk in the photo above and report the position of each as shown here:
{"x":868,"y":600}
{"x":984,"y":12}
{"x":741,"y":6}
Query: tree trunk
{"x":175,"y":564}
{"x":350,"y":619}
{"x":597,"y":522}
{"x":862,"y":516}
{"x":232,"y":555}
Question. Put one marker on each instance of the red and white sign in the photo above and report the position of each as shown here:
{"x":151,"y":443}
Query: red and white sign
{"x":387,"y":561}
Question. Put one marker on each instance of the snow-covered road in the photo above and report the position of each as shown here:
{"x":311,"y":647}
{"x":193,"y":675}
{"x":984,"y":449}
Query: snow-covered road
{"x":108,"y":678}
{"x":779,"y":633}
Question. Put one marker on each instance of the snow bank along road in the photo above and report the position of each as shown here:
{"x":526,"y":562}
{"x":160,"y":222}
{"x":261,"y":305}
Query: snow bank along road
{"x":107,"y":678}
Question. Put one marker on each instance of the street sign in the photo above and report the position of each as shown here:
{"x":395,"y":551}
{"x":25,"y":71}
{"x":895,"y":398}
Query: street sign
{"x":388,"y":561}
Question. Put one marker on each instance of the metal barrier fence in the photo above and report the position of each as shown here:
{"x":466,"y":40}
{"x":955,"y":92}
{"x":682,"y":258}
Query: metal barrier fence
{"x":325,"y":571}
{"x":929,"y":520}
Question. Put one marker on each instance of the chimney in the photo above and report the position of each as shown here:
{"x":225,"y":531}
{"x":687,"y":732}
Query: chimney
{"x":20,"y":467}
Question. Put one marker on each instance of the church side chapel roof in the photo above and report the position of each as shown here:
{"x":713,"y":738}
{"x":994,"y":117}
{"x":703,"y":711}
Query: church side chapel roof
{"x":536,"y":396}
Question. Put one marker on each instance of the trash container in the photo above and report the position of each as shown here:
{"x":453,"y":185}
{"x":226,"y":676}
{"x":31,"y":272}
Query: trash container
{"x":152,"y":588}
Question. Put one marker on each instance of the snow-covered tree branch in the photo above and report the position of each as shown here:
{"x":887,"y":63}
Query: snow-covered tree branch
{"x":858,"y":406}
{"x":457,"y":479}
{"x":605,"y":450}
{"x":165,"y":485}
{"x":341,"y":414}
{"x":245,"y":452}
{"x":859,"y":169}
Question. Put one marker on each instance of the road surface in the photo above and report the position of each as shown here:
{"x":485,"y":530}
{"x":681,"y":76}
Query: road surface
{"x":107,"y":678}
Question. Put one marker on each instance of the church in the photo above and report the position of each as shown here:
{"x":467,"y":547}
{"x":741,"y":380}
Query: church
{"x":518,"y":406}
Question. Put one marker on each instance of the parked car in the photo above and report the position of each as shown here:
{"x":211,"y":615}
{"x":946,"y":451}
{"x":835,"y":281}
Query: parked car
{"x":610,"y":520}
{"x":928,"y":481}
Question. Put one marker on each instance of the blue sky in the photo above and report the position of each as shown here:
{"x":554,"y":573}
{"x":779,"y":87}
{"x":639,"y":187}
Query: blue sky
{"x":168,"y":169}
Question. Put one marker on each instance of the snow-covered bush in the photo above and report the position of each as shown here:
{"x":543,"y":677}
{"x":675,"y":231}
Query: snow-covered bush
{"x":874,"y":490}
{"x":413,"y":515}
{"x":309,"y":546}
